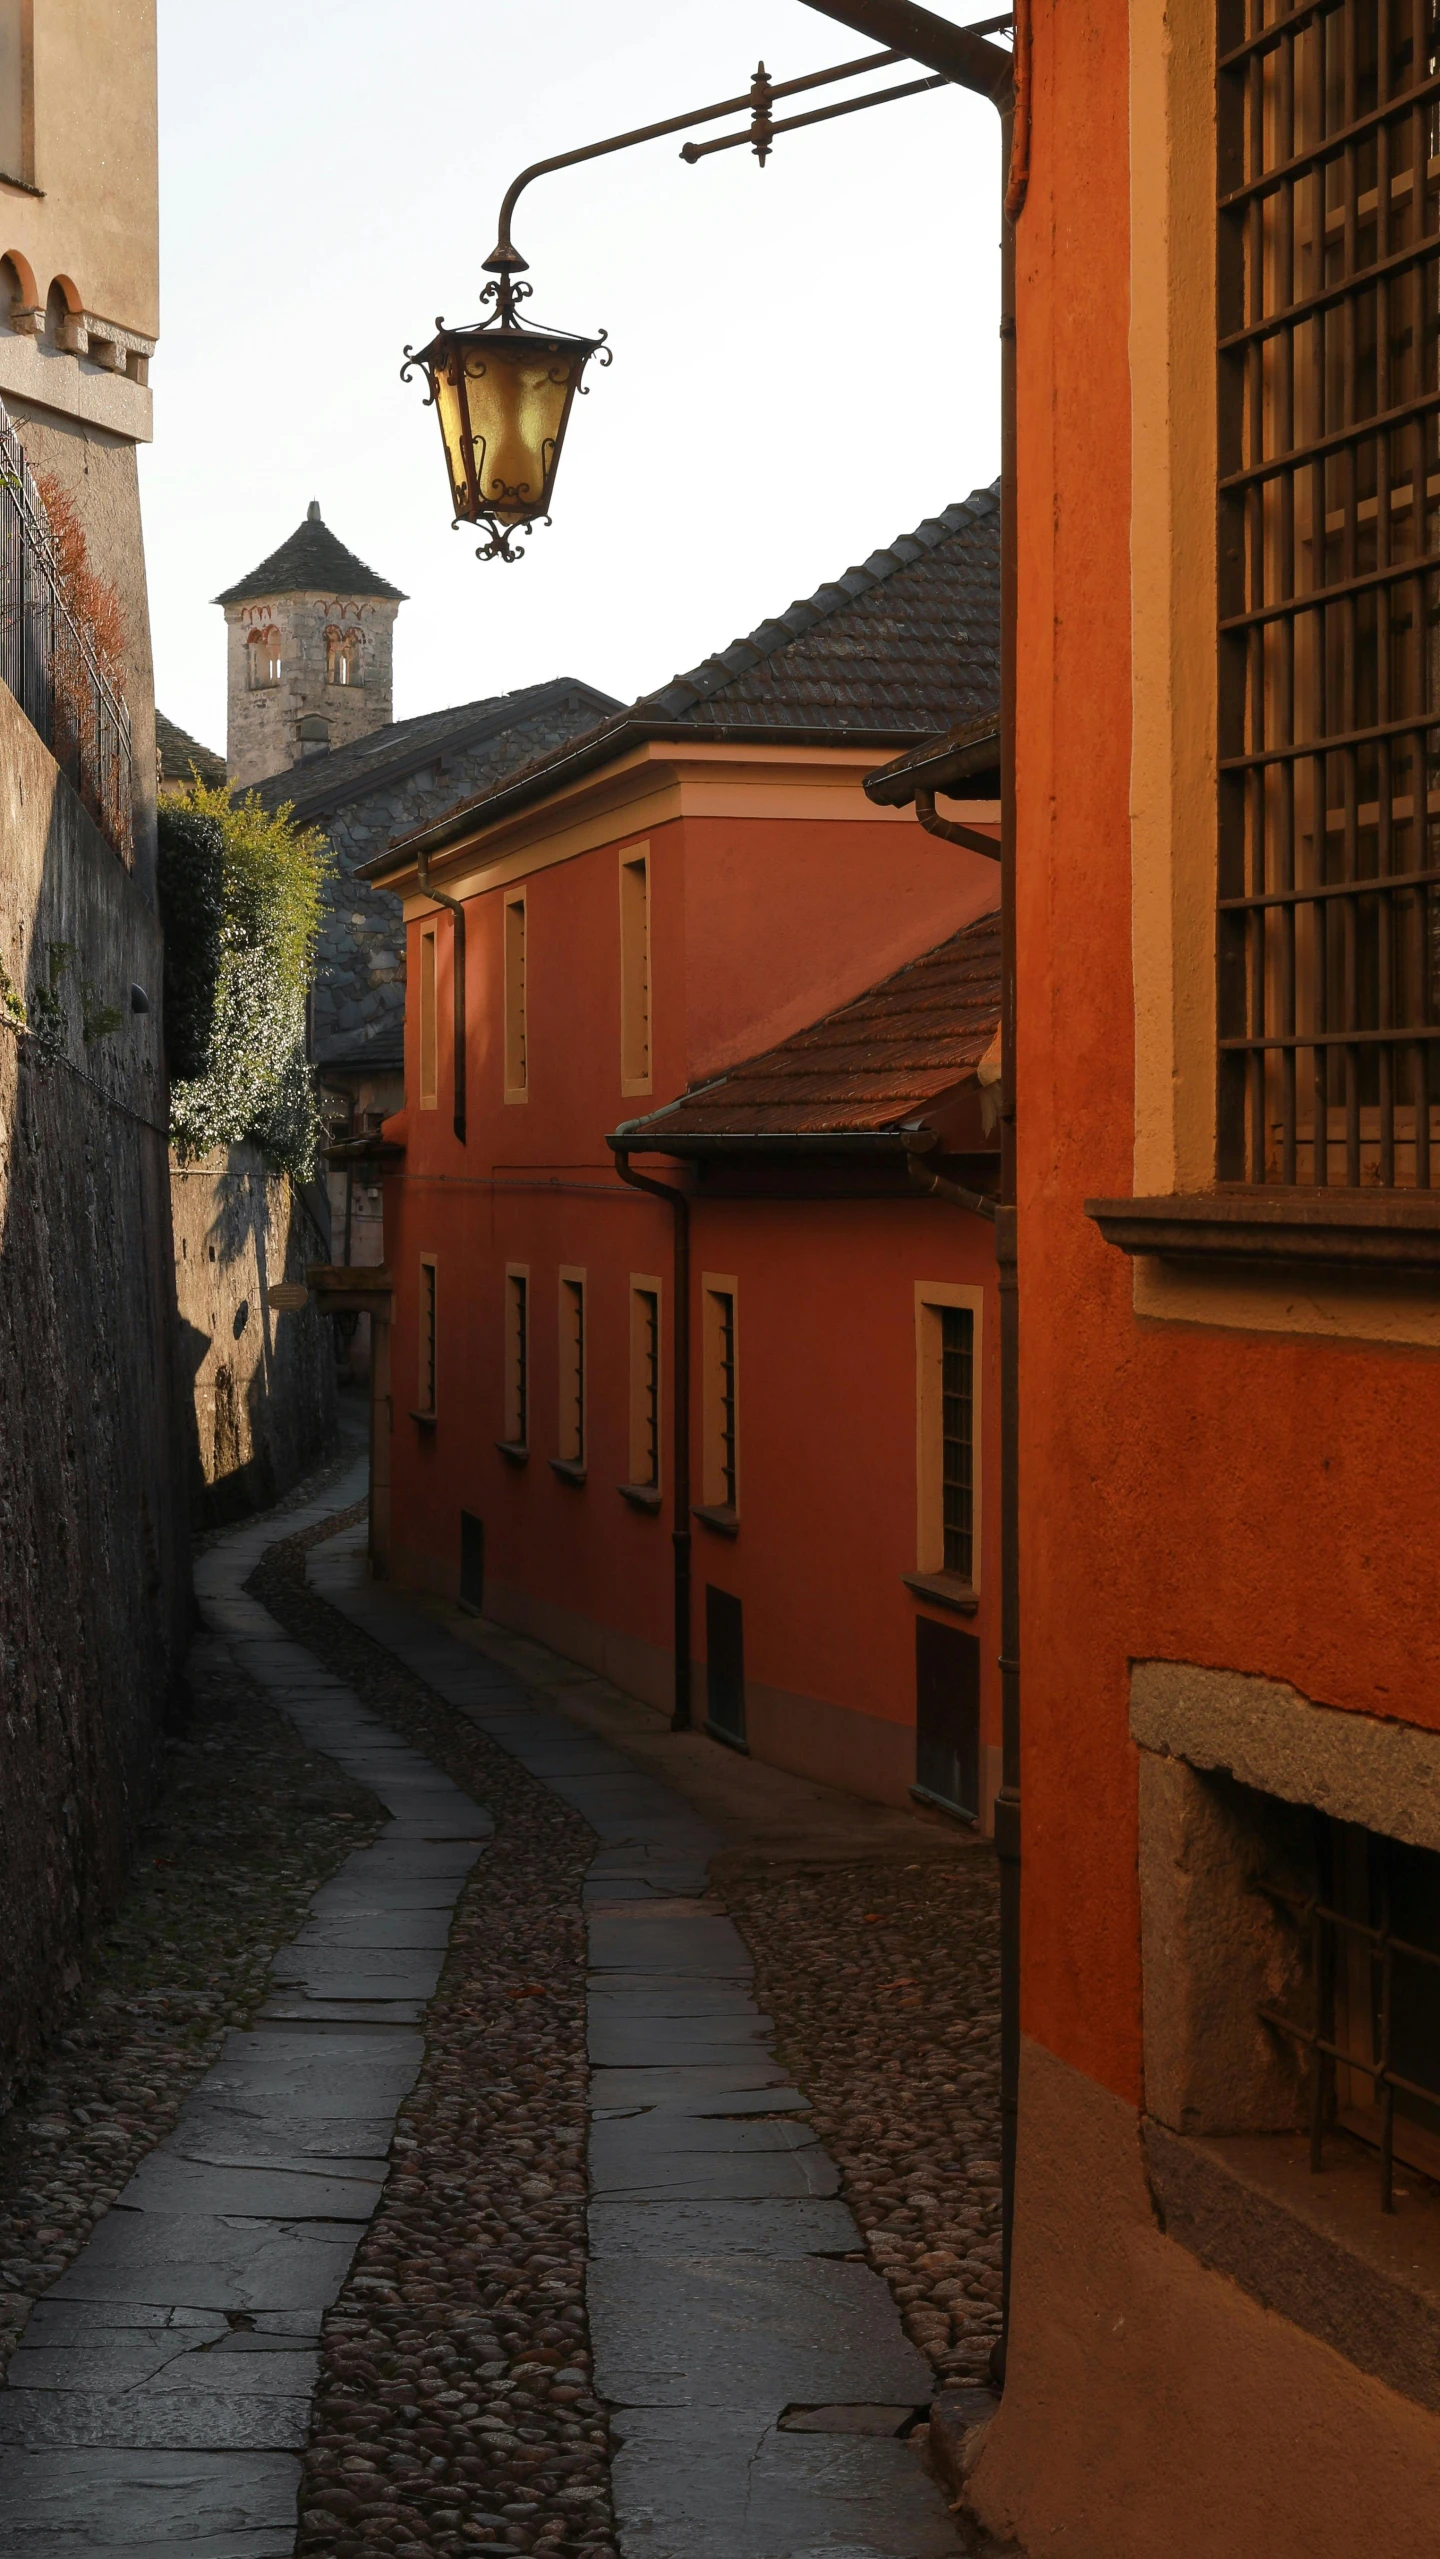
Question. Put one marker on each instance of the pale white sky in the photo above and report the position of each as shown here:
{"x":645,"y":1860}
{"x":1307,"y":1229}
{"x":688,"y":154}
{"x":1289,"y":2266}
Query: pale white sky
{"x":805,"y":356}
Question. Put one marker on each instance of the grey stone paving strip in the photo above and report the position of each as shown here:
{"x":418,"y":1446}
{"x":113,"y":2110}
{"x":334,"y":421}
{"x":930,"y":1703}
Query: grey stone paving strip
{"x":161,"y":2392}
{"x":728,"y":2288}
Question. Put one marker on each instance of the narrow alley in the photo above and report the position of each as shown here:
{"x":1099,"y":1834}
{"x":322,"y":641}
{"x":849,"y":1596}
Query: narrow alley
{"x":556,"y":2191}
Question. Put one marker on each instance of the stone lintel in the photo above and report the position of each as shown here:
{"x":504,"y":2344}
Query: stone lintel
{"x":1358,"y":1768}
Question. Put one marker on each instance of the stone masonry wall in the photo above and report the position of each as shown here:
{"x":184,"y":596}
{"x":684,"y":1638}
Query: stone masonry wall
{"x":259,"y":1380}
{"x":264,"y":720}
{"x":94,"y":1559}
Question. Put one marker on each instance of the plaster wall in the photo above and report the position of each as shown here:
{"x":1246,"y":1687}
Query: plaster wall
{"x":261,"y":1381}
{"x":83,"y":206}
{"x":263,"y":733}
{"x":359,"y":1005}
{"x":828,"y":1442}
{"x":1219,"y":1490}
{"x":94,"y":1561}
{"x":1158,"y":2406}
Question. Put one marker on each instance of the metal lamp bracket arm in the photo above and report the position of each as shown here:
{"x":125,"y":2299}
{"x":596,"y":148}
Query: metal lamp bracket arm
{"x":506,"y":260}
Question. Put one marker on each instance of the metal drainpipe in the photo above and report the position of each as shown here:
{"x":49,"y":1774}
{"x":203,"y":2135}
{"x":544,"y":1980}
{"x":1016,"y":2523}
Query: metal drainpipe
{"x":682,"y":1718}
{"x":970,"y":63}
{"x":454,"y":908}
{"x":936,"y":1187}
{"x":951,"y":831}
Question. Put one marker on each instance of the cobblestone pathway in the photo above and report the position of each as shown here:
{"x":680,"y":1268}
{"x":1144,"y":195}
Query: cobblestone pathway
{"x":360,"y":2282}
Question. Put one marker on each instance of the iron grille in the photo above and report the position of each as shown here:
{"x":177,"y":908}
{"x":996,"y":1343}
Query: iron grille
{"x":50,"y":664}
{"x":1329,"y":591}
{"x":726,"y":1305}
{"x":427,"y":1337}
{"x":573,"y":1421}
{"x":520,"y":1359}
{"x":957,"y":1386}
{"x":650,"y":1383}
{"x":1373,"y":2038}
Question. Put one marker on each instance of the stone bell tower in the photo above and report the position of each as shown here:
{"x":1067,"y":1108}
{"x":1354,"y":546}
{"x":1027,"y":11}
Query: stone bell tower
{"x":311,"y":635}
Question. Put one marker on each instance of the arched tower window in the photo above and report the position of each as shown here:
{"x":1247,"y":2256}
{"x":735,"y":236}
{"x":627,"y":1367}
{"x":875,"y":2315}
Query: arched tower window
{"x":343,"y":655}
{"x":267,"y":661}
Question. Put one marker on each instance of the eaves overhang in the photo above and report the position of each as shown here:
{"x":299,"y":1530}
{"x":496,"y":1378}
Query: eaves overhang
{"x":962,"y":755}
{"x":644,"y":1138}
{"x":622,"y":745}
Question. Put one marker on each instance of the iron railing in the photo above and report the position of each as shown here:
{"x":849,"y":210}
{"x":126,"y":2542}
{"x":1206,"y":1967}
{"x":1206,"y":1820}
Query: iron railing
{"x":1329,"y":582}
{"x":50,"y":662}
{"x":1376,"y":2009}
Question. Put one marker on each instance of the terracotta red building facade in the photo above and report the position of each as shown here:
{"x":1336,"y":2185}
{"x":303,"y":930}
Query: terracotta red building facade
{"x":701,"y":901}
{"x":1222,"y":2341}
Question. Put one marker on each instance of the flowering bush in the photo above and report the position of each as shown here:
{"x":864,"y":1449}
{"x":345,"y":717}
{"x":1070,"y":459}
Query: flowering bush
{"x":241,"y":895}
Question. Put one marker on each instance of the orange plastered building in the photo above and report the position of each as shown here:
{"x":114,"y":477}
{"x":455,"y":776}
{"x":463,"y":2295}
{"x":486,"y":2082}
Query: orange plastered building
{"x":698,"y":906}
{"x":1224,"y":2310}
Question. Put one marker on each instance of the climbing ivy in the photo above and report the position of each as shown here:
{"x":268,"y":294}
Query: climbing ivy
{"x":241,"y":896}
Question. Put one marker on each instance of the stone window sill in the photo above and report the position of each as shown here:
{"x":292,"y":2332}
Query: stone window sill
{"x":641,"y":1497}
{"x":514,"y":1451}
{"x":1394,"y":1230}
{"x":1316,"y":2249}
{"x":718,"y":1516}
{"x":946,"y":1589}
{"x":569,"y":1469}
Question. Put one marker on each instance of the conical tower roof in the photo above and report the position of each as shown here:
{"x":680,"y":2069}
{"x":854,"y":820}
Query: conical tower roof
{"x":311,"y":562}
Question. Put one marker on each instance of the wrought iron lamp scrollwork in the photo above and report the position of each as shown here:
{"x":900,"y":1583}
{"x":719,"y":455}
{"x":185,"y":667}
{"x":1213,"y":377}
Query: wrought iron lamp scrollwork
{"x":504,"y":389}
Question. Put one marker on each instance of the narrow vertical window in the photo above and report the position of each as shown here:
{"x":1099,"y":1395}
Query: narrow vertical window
{"x":957,"y":1379}
{"x":428,"y":1045}
{"x":572,"y":1372}
{"x":645,"y":1385}
{"x":635,"y":973}
{"x":517,"y":1057}
{"x":718,"y":1358}
{"x":426,"y":1378}
{"x":947,"y":1333}
{"x":517,"y":1358}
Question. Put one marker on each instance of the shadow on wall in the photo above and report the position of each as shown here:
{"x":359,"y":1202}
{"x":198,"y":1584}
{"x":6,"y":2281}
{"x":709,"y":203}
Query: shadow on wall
{"x":258,"y":1381}
{"x":94,"y":1557}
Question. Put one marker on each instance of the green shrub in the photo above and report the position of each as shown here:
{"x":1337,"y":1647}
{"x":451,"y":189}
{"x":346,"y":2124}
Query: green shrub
{"x":241,"y":896}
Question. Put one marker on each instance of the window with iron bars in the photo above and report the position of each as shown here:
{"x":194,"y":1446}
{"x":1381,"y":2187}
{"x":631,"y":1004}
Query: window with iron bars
{"x":1329,"y":592}
{"x":1371,"y":1936}
{"x":957,"y":1386}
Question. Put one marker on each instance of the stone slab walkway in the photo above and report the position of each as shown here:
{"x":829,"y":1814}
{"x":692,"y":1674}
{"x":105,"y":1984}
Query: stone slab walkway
{"x":753,"y":2364}
{"x":161,"y":2392}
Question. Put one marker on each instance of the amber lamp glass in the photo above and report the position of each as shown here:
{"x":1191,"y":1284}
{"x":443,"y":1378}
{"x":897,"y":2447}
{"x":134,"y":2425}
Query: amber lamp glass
{"x":503,"y":397}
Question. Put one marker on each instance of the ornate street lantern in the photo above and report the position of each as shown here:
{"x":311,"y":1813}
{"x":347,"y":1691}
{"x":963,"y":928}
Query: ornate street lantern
{"x":502,"y":391}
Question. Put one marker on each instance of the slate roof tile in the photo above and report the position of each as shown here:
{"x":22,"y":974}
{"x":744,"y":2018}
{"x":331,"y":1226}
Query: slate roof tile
{"x":871,"y":1065}
{"x":369,"y":762}
{"x":179,"y":754}
{"x":312,"y":561}
{"x":905,"y":646}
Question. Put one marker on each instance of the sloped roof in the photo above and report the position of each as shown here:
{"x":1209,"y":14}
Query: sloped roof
{"x":904,"y":644}
{"x":348,"y":772}
{"x":179,"y":754}
{"x":312,"y":561}
{"x":866,"y":1069}
{"x":908,"y":640}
